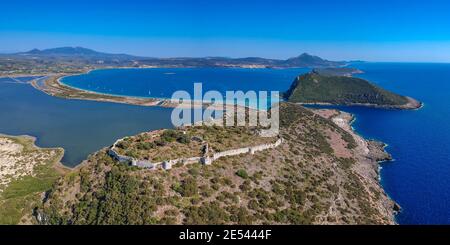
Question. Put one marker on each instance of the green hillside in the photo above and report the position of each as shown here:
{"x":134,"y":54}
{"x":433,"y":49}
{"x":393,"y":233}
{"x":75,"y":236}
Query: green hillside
{"x":342,"y":90}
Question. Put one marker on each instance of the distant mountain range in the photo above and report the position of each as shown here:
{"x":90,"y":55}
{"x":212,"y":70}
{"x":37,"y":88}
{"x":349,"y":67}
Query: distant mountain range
{"x":73,"y":52}
{"x":88,"y":56}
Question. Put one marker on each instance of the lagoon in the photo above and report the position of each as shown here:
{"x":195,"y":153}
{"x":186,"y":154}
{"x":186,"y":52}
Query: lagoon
{"x":83,"y":127}
{"x":418,"y":179}
{"x":80,"y":127}
{"x":163,"y":82}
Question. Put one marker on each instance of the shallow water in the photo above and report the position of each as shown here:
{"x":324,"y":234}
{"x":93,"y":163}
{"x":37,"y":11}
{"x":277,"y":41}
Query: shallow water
{"x":80,"y":127}
{"x":162,"y":82}
{"x":418,"y":179}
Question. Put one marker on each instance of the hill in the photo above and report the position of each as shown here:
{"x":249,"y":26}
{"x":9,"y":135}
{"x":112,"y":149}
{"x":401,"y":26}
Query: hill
{"x":307,"y":60}
{"x":316,"y":88}
{"x":320,"y":174}
{"x":64,"y":51}
{"x":78,"y":59}
{"x":74,"y":52}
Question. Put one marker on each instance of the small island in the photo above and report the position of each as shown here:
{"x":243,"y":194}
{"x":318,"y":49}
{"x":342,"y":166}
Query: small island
{"x":319,"y":87}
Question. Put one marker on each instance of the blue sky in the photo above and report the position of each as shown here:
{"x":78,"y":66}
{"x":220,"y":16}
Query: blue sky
{"x":339,"y":30}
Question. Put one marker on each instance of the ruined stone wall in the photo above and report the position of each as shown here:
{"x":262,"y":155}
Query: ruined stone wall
{"x":233,"y":152}
{"x":144,"y":164}
{"x":118,"y":157}
{"x":245,"y":150}
{"x":206,"y":160}
{"x":255,"y":149}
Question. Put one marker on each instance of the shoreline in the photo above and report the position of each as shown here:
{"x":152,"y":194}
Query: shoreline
{"x":54,"y":87}
{"x":368,"y":163}
{"x":72,"y":92}
{"x":387,"y":158}
{"x":27,"y":171}
{"x":57,"y":164}
{"x":412,"y":104}
{"x":374,"y":157}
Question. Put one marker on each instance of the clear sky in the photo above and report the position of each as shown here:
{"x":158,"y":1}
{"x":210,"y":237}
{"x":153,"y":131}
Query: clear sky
{"x":394,"y":30}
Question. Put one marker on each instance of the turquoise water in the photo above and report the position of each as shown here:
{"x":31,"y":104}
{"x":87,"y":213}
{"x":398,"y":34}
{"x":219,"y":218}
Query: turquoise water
{"x":83,"y":127}
{"x":161,"y":82}
{"x":418,"y":179}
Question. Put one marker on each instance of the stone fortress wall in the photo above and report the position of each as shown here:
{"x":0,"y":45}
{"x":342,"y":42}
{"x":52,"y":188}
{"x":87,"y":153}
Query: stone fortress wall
{"x":206,"y":159}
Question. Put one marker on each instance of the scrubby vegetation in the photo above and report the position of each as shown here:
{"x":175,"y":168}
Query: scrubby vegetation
{"x":316,"y":88}
{"x":24,"y":188}
{"x":178,"y":143}
{"x":300,"y":182}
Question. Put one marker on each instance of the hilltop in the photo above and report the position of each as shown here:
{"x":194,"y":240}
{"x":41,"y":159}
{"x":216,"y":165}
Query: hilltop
{"x":79,"y":59}
{"x":322,"y":173}
{"x":73,"y":52}
{"x":317,"y":88}
{"x":307,"y":60}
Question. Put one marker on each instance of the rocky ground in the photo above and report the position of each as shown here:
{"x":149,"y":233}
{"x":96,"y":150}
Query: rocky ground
{"x":323,"y":173}
{"x":25,"y":171}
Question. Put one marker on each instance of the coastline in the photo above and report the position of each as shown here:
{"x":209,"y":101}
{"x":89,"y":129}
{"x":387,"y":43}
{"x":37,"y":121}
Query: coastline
{"x":370,"y":198}
{"x":367,"y":167}
{"x":57,"y":164}
{"x":381,"y":156}
{"x":54,"y":87}
{"x":373,"y":153}
{"x":371,"y":163}
{"x":370,"y":154}
{"x":27,"y":171}
{"x":412,"y":104}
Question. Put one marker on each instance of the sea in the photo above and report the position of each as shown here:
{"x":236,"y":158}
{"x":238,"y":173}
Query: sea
{"x":419,"y":140}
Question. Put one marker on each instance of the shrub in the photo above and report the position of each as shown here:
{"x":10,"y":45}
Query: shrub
{"x":194,"y":171}
{"x":210,"y":213}
{"x":169,"y":135}
{"x":242,"y":173}
{"x":145,"y":145}
{"x":246,"y":186}
{"x":189,"y":187}
{"x":160,"y":142}
{"x":183,"y":139}
{"x":123,"y":144}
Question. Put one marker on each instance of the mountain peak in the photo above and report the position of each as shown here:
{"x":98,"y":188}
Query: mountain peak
{"x":306,"y":59}
{"x":34,"y":51}
{"x":305,"y":56}
{"x":71,"y":50}
{"x":65,"y":51}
